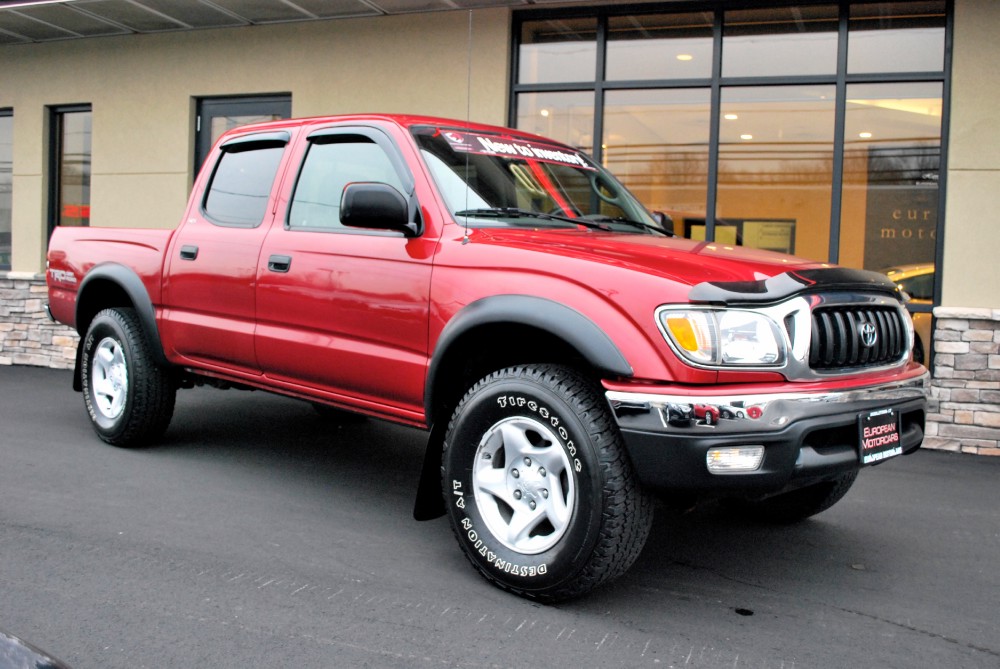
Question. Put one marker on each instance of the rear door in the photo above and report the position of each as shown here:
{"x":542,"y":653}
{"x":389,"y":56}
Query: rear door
{"x":211,"y":267}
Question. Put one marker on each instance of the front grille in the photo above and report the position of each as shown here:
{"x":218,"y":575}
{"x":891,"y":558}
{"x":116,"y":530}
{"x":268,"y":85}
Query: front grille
{"x":837,"y":337}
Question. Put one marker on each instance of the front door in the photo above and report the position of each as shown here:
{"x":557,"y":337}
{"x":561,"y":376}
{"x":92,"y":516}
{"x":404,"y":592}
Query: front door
{"x":344,"y":310}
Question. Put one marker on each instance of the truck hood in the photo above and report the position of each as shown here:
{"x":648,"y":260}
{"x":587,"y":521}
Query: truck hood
{"x":681,"y":260}
{"x":714,"y":272}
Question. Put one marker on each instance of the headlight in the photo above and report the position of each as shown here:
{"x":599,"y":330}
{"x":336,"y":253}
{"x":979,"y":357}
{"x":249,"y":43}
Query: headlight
{"x":723,"y":337}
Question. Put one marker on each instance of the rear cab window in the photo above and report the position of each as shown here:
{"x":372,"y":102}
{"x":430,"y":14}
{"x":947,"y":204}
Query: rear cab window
{"x":243,"y":178}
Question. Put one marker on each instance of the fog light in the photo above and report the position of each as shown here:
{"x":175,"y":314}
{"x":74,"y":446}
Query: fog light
{"x":734,"y":459}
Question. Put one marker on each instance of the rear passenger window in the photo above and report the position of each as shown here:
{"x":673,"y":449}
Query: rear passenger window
{"x":331,"y":164}
{"x":242,"y":183}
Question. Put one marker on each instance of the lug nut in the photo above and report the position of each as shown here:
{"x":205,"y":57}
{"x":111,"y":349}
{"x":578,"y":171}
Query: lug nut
{"x":541,"y":471}
{"x":545,"y":493}
{"x":527,"y":462}
{"x":517,"y":494}
{"x":515,"y":473}
{"x":531,"y":505}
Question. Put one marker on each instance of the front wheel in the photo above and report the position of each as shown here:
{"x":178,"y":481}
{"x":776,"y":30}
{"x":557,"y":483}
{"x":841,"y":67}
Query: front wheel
{"x":539,"y":489}
{"x":129,"y":397}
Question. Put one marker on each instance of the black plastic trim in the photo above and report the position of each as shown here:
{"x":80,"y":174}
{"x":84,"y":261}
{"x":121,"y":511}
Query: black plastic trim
{"x":130,"y":282}
{"x":783,"y":286}
{"x":568,"y":324}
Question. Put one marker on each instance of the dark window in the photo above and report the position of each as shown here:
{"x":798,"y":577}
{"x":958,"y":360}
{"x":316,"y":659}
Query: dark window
{"x":241,"y":185}
{"x":329,"y":166}
{"x":6,"y":184}
{"x":70,"y":164}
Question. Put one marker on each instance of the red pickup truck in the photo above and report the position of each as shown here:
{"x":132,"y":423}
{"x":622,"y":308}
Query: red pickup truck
{"x":569,"y":356}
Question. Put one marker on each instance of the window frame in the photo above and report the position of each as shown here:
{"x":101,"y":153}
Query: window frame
{"x":56,"y":114}
{"x":600,"y":85}
{"x":8,"y":112}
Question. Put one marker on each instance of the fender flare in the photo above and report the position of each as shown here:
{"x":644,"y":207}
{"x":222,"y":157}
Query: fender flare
{"x":126,"y":279}
{"x":568,"y":324}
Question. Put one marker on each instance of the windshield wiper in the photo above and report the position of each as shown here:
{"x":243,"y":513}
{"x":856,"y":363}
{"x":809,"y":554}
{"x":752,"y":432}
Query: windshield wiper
{"x":628,"y":221}
{"x":514,"y":212}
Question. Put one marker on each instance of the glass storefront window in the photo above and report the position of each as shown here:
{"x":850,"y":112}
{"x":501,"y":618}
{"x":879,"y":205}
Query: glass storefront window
{"x":892,"y":161}
{"x":656,"y":141}
{"x":565,"y":116}
{"x":72,"y":166}
{"x":6,"y":185}
{"x":896,"y":37}
{"x":659,"y":46}
{"x":557,"y":50}
{"x":780,"y":42}
{"x":776,"y":168}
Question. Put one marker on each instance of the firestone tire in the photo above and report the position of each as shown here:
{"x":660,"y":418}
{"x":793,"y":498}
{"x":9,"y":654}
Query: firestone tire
{"x":791,"y":507}
{"x":129,"y":398}
{"x":538,"y":486}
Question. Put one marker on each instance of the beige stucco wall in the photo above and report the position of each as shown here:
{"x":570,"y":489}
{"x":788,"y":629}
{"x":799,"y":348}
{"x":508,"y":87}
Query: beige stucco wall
{"x":142,"y":89}
{"x":970,"y":270}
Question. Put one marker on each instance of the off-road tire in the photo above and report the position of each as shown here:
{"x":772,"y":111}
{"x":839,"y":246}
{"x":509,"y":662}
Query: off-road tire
{"x":554,"y":427}
{"x":128,"y":396}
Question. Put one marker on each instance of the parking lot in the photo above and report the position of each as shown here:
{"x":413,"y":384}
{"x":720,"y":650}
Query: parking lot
{"x":258,"y":535}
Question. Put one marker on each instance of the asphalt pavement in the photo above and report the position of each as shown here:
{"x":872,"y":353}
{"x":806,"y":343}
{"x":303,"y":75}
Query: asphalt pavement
{"x":256,"y":534}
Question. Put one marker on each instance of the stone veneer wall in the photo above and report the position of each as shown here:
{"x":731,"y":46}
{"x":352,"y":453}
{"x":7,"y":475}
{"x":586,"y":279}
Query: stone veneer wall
{"x":964,"y":403}
{"x":27,"y":336}
{"x":964,"y":410}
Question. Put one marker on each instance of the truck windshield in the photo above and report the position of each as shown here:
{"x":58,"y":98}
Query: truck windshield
{"x":493,"y":180}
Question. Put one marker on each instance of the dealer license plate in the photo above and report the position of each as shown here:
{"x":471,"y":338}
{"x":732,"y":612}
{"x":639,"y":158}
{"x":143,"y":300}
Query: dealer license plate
{"x":880,"y":437}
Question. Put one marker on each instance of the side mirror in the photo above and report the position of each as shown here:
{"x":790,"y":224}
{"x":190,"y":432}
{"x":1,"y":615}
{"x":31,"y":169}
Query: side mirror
{"x":375,"y":205}
{"x":665,"y":222}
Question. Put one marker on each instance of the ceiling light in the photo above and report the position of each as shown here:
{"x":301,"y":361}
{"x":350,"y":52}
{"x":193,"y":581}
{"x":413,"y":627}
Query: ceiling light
{"x":544,"y":112}
{"x":865,"y":135}
{"x":748,"y":137}
{"x":684,"y":57}
{"x":731,"y":117}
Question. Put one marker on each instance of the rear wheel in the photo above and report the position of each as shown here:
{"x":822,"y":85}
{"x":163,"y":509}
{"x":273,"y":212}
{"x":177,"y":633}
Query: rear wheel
{"x":130,"y":398}
{"x":538,"y":486}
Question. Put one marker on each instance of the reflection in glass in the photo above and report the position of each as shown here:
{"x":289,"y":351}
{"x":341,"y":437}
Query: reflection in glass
{"x":6,"y":185}
{"x":222,"y":124}
{"x":557,"y":50}
{"x":896,"y":37}
{"x":780,"y":42}
{"x":892,"y":155}
{"x":656,"y":142}
{"x":776,"y":168}
{"x":73,"y":181}
{"x":567,"y":117}
{"x":659,"y":46}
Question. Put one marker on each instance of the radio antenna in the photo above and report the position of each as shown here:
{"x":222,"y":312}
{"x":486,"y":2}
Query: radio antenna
{"x":468,"y":121}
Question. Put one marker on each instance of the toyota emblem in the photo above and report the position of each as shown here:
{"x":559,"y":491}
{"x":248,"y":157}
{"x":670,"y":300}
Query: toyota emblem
{"x":869,"y":335}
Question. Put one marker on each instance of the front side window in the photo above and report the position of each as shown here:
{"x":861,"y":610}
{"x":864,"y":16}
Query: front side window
{"x":492,"y":180}
{"x":241,"y":185}
{"x":6,"y":185}
{"x":331,"y":164}
{"x":71,"y":147}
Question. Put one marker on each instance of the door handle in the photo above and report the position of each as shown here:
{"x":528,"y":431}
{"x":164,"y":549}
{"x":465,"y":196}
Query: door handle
{"x":279,"y":263}
{"x":189,"y":252}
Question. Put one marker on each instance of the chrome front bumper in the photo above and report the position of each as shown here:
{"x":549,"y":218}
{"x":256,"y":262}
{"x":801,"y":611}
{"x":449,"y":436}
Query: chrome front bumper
{"x":806,"y":435}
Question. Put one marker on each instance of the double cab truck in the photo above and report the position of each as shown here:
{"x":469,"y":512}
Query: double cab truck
{"x":569,"y":356}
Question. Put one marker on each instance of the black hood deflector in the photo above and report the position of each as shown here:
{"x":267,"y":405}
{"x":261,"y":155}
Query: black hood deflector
{"x":783,"y":286}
